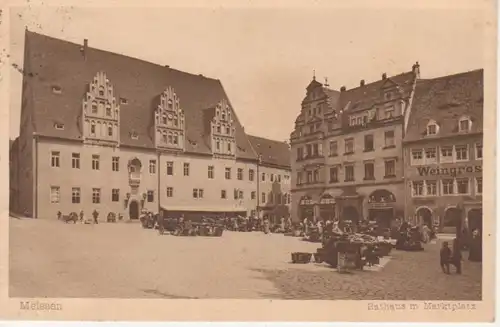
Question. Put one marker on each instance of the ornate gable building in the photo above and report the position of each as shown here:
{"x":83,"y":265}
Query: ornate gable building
{"x":347,"y":150}
{"x":105,"y":131}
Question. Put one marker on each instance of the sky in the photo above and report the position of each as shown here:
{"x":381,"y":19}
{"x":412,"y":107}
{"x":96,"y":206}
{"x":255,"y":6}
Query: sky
{"x":265,"y":57}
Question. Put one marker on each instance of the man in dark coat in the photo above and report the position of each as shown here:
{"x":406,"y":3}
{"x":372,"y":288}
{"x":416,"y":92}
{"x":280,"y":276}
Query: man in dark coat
{"x":456,"y":257}
{"x":445,"y":256}
{"x":475,"y":248}
{"x":95,"y":214}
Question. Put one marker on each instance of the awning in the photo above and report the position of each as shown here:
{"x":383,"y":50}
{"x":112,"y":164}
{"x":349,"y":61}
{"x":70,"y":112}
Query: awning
{"x":205,"y":209}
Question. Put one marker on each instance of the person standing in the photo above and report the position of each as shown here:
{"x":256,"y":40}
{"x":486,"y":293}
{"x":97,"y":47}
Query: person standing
{"x":81,"y":216}
{"x":456,"y":257}
{"x":95,"y":214}
{"x":475,"y":249}
{"x":445,"y":257}
{"x":425,"y":234}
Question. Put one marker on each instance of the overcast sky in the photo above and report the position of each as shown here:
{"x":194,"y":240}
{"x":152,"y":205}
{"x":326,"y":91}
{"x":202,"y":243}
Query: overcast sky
{"x":265,"y":57}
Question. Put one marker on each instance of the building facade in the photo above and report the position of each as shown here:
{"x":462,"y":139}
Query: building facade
{"x":443,"y":152}
{"x":347,"y":150}
{"x":117,"y":134}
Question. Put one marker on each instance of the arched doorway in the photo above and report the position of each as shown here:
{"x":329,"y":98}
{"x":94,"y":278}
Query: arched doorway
{"x":452,"y":221}
{"x":381,"y":207}
{"x":133,"y":210}
{"x":424,"y":216}
{"x":306,"y":208}
{"x":350,"y":213}
{"x":475,"y":220}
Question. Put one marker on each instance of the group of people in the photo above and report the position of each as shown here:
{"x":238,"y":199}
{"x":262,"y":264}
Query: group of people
{"x":453,"y":256}
{"x":81,"y":216}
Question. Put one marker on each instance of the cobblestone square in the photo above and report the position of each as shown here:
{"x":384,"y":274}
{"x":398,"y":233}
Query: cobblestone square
{"x":53,"y":259}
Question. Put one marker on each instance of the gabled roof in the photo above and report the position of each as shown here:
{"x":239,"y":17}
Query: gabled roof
{"x":445,"y":100}
{"x":272,"y":152}
{"x":366,"y":96}
{"x":53,"y":62}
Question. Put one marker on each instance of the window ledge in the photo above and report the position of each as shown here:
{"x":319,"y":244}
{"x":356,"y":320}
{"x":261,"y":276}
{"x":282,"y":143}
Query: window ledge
{"x":369,"y":178}
{"x":348,"y":180}
{"x":389,"y":147}
{"x":368,"y":150}
{"x":348,"y":153}
{"x":389,"y":176}
{"x":333,"y":155}
{"x":334,"y":181}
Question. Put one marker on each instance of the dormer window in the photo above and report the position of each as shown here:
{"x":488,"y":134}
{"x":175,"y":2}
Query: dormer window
{"x":134,"y":135}
{"x":59,"y":126}
{"x":94,"y":107}
{"x":123,"y":101}
{"x":56,"y":89}
{"x":464,"y":124}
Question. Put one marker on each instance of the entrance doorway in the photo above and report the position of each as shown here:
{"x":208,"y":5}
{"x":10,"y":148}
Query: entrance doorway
{"x":383,"y":217}
{"x":453,"y":221}
{"x":133,"y":210}
{"x":475,"y":218}
{"x":424,"y":216}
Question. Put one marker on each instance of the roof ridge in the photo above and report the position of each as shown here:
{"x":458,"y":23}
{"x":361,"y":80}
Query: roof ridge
{"x":265,"y":138}
{"x":121,"y":55}
{"x":450,"y":76}
{"x":378,"y":81}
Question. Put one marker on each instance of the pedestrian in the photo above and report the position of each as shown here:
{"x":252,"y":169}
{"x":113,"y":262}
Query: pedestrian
{"x":475,"y":249}
{"x":96,"y":215}
{"x":425,"y":234}
{"x":81,"y":216}
{"x":456,"y":257}
{"x":445,"y":257}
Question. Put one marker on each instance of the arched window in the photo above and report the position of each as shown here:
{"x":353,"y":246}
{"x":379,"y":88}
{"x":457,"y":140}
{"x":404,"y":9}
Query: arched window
{"x":92,"y":128}
{"x":110,"y":130}
{"x":101,"y":91}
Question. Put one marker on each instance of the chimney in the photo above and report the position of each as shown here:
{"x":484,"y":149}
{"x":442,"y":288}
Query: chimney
{"x":167,"y":66}
{"x":362,"y":82}
{"x":342,"y":89}
{"x":384,"y":76}
{"x":84,"y":48}
{"x":416,"y":69}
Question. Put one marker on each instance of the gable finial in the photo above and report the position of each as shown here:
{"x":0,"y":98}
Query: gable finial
{"x":326,"y":82}
{"x":314,"y":74}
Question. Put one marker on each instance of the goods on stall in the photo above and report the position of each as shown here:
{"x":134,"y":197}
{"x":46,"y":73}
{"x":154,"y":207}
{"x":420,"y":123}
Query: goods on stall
{"x":301,"y":257}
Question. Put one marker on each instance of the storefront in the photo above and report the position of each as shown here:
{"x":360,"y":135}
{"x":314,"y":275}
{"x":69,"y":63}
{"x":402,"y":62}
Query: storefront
{"x":350,"y":206}
{"x":327,"y":207}
{"x":381,"y":208}
{"x":306,"y":208}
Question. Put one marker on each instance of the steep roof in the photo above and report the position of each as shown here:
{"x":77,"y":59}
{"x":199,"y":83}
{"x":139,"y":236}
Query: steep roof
{"x":272,"y":152}
{"x":366,"y":96}
{"x":53,"y":62}
{"x":445,"y":100}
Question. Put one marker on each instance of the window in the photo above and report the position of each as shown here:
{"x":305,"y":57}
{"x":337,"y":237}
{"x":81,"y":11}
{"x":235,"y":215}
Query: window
{"x":279,"y":178}
{"x":235,"y":194}
{"x":115,"y":163}
{"x":479,"y":151}
{"x":461,"y":152}
{"x":263,"y":177}
{"x":96,"y":195}
{"x":218,"y":129}
{"x":390,"y":168}
{"x":316,"y":175}
{"x":369,"y":171}
{"x":170,"y":168}
{"x":108,"y":110}
{"x":211,"y":172}
{"x":349,"y":173}
{"x":464,"y":125}
{"x":115,"y":195}
{"x":263,"y":198}
{"x":418,"y":188}
{"x":369,"y":142}
{"x":431,"y":129}
{"x":55,"y":158}
{"x":446,"y":154}
{"x":123,"y":101}
{"x":333,"y":148}
{"x":479,"y":185}
{"x":300,"y":153}
{"x":389,"y":112}
{"x":448,"y":186}
{"x":252,"y":195}
{"x":299,"y":177}
{"x":197,"y":193}
{"x":334,"y":174}
{"x":110,"y":130}
{"x":389,"y":139}
{"x":309,"y":151}
{"x":95,"y":162}
{"x":240,"y":195}
{"x":75,"y":160}
{"x":175,"y":139}
{"x":416,"y":156}
{"x":223,"y":194}
{"x":217,"y":145}
{"x":240,"y":174}
{"x":152,"y":166}
{"x":229,"y":147}
{"x":430,"y":155}
{"x":170,"y":192}
{"x":463,"y":185}
{"x":59,"y":126}
{"x":75,"y":195}
{"x":94,"y":107}
{"x":309,"y":177}
{"x":55,"y":194}
{"x":349,"y":146}
{"x":151,"y":196}
{"x":251,"y":175}
{"x":227,"y":173}
{"x":186,"y":169}
{"x":431,"y":187}
{"x":271,"y":177}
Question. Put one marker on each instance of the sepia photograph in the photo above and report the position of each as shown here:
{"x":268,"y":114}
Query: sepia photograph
{"x":250,"y":152}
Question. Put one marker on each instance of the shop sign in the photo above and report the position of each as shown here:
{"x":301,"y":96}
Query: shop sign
{"x":448,"y":171}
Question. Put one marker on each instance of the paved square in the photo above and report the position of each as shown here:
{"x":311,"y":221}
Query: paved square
{"x":53,"y":259}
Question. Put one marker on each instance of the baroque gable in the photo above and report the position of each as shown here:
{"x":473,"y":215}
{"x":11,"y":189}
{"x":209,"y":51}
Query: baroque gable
{"x":223,"y":131}
{"x":101,"y":113}
{"x":170,"y":128}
